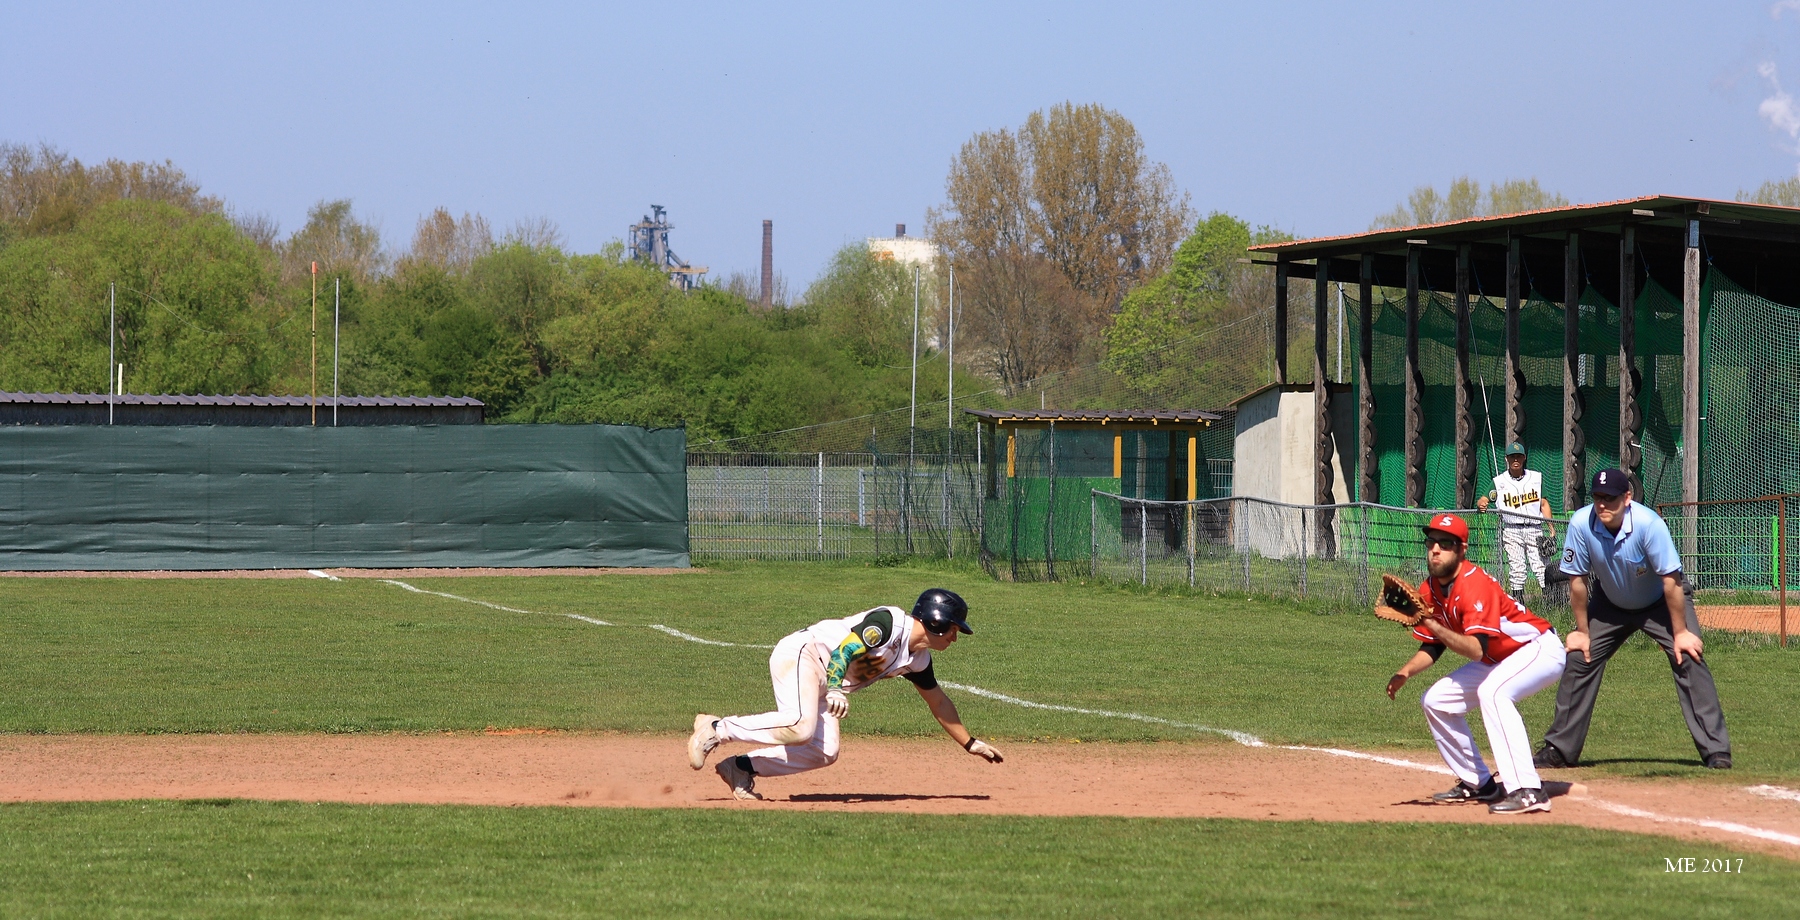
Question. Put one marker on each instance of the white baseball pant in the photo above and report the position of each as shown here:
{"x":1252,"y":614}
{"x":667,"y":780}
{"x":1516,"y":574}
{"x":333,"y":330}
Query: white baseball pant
{"x":1497,"y":689}
{"x":802,"y":735}
{"x":1521,"y":548}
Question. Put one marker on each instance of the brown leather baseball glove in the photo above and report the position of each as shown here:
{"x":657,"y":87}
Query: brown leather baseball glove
{"x":1401,"y":602}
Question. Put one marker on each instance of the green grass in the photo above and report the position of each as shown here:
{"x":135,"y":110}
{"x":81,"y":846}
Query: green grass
{"x":232,"y":859}
{"x":113,"y":655}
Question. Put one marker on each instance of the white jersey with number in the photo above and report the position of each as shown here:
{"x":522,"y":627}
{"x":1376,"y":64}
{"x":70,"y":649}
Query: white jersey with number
{"x":1522,"y":495}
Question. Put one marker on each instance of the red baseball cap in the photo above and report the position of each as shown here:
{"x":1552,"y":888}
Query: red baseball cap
{"x":1451,"y":524}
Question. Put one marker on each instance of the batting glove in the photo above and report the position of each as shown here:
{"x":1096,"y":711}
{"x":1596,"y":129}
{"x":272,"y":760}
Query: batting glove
{"x":983,"y":749}
{"x":837,"y":705}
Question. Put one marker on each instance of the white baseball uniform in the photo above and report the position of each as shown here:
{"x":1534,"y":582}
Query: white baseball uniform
{"x":828,"y":655}
{"x":1523,"y":657}
{"x":1521,"y":523}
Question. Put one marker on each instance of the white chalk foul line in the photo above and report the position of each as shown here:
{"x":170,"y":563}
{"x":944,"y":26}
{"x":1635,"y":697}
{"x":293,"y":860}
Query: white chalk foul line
{"x":1727,"y":826}
{"x":325,"y":575}
{"x":671,"y":631}
{"x":1243,"y":738}
{"x":1774,"y":792}
{"x":470,"y":600}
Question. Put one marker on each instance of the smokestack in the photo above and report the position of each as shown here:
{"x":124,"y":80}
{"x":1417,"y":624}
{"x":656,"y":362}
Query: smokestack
{"x":899,"y":230}
{"x":768,"y":274}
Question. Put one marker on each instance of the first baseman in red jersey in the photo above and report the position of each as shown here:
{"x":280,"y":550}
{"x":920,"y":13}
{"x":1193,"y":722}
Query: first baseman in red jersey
{"x":1512,"y":654}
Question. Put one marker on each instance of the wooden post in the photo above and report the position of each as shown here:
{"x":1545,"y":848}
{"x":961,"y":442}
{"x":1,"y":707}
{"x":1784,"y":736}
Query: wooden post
{"x":1368,"y":467}
{"x":1119,"y":457}
{"x":1322,"y":435}
{"x":1574,"y":439}
{"x":1281,"y":321}
{"x":1631,"y":418}
{"x":1690,"y":387}
{"x":1465,"y":389}
{"x":1172,"y":481}
{"x":1415,"y":388}
{"x":1515,"y":373}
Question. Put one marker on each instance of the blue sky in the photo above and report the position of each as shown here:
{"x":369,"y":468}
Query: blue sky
{"x":837,"y":120}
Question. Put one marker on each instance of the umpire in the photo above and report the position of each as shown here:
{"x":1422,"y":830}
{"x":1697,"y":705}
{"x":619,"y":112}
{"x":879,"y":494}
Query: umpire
{"x":1635,"y":583}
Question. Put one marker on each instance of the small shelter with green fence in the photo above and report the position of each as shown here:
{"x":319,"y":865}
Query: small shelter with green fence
{"x":1041,"y":468}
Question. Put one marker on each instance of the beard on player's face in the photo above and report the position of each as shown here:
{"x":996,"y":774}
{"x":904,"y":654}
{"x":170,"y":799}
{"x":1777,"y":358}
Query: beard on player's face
{"x":1443,"y":563}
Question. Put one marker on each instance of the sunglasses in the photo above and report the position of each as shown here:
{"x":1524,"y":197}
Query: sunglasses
{"x":1443,"y":542}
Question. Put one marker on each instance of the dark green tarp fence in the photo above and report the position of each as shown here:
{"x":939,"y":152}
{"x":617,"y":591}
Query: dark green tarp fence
{"x":119,"y":497}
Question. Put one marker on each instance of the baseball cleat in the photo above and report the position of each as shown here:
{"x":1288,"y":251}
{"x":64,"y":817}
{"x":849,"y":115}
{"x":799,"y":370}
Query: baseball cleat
{"x":1521,"y":801}
{"x":741,"y":781}
{"x":702,"y":741}
{"x":1549,"y":757}
{"x":1718,"y":761}
{"x":1491,"y":791}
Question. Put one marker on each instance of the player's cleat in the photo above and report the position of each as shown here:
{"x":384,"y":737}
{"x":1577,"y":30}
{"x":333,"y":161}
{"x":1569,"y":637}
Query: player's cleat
{"x":1491,"y":791}
{"x":741,"y":781}
{"x":1521,"y":801}
{"x":1718,"y":761}
{"x":702,"y":741}
{"x":1549,"y":757}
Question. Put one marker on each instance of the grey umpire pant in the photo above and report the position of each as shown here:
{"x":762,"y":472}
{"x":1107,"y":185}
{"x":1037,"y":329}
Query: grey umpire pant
{"x":1608,"y":628}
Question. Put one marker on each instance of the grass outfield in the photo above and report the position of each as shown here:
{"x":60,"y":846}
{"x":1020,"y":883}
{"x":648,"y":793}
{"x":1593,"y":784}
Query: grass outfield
{"x":234,"y":859}
{"x":117,"y":655}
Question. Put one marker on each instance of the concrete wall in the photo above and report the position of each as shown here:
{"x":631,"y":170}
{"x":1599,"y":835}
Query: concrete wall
{"x":1273,"y":455}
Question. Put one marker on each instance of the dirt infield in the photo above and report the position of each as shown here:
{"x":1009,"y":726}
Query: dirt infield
{"x":1746,"y":619}
{"x":609,"y":770}
{"x":346,"y":573}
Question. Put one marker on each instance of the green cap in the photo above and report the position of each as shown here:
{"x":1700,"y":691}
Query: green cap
{"x":1515,"y":448}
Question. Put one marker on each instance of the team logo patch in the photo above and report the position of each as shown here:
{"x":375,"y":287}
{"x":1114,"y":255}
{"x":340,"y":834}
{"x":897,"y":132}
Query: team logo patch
{"x":871,"y":636}
{"x":1568,"y":555}
{"x":1445,"y":522}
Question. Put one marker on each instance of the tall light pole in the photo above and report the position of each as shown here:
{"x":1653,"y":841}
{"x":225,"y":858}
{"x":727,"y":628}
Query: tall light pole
{"x":337,"y":304}
{"x":112,"y":338}
{"x":950,"y":372}
{"x":312,"y":396}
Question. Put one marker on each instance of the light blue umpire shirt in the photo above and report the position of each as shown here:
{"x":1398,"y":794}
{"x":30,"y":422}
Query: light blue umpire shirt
{"x":1629,"y":564}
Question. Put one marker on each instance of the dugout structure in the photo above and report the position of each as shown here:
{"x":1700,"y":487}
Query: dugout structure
{"x":1040,"y":469}
{"x":1477,"y":332}
{"x":225,"y":497}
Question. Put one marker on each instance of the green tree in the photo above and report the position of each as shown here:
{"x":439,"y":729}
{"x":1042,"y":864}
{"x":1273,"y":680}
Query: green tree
{"x":197,"y":311}
{"x":1465,"y":200}
{"x":1785,"y":192}
{"x":1195,"y":332}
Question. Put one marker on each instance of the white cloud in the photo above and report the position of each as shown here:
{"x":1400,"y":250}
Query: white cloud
{"x":1784,"y":6}
{"x":1779,"y":108}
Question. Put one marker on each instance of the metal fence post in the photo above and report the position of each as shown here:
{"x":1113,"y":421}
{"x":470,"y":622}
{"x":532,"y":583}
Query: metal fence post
{"x":1243,"y":518}
{"x":1189,"y":520}
{"x":1093,"y":534}
{"x":1143,"y":542}
{"x":821,"y":488}
{"x":1304,"y":514}
{"x":1781,"y":561}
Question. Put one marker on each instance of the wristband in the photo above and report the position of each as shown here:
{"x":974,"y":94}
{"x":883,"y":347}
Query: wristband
{"x":971,"y":745}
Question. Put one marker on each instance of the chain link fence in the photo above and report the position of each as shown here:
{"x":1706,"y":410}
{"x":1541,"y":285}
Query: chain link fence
{"x":1332,"y":556}
{"x":916,"y":498}
{"x":1739,"y":556}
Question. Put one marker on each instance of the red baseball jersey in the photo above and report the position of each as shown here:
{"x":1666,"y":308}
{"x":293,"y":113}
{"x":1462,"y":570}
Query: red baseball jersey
{"x":1476,"y":605}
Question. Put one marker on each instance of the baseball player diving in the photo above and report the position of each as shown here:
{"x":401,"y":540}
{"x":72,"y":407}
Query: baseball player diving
{"x":1512,"y":654}
{"x":1524,"y":516}
{"x":816,"y":669}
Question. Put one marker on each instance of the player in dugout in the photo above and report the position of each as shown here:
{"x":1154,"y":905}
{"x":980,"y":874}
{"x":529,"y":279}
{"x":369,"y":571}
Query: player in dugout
{"x":814,"y":671}
{"x":1525,"y":528}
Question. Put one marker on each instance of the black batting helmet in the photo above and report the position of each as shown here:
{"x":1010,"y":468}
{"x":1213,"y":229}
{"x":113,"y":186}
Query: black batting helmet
{"x":941,"y":610}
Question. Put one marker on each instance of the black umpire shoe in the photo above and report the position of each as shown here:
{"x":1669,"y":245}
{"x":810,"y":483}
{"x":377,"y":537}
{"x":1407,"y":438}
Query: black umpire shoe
{"x":1521,"y":801}
{"x":1548,"y":756}
{"x":1491,"y":791}
{"x":1718,"y":761}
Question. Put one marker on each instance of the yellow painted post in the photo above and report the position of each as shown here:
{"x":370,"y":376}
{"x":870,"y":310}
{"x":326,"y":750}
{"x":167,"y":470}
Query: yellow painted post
{"x":1193,"y":484}
{"x":1118,"y":456}
{"x":1012,"y":453}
